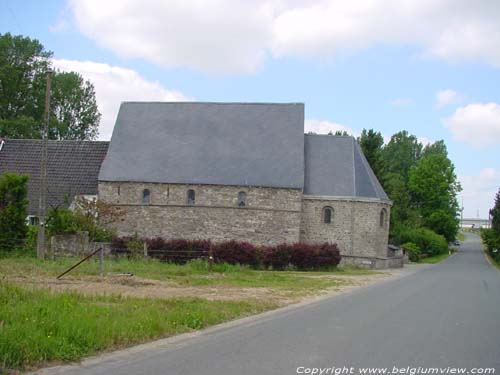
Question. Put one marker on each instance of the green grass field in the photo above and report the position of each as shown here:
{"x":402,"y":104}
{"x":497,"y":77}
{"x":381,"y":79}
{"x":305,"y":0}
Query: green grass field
{"x":194,"y":273}
{"x":37,"y":326}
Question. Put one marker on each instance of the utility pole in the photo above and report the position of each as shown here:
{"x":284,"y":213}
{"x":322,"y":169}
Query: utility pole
{"x":42,"y":202}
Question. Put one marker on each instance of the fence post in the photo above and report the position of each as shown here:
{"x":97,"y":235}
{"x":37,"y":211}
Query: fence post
{"x":145,"y":250}
{"x":210,"y":259}
{"x":101,"y":262}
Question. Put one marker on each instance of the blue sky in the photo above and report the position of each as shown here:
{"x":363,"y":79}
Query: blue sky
{"x":430,"y":67}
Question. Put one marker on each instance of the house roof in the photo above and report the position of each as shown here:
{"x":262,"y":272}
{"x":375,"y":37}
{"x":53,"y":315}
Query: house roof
{"x":336,"y":166}
{"x":252,"y":144}
{"x":72,"y":168}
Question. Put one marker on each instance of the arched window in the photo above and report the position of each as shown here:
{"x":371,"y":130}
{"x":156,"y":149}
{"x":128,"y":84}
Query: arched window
{"x":146,"y":196}
{"x":190,"y":197}
{"x":383,"y":217}
{"x":327,"y":215}
{"x":242,"y":199}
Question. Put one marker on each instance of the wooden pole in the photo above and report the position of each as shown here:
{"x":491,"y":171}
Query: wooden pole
{"x":42,"y":201}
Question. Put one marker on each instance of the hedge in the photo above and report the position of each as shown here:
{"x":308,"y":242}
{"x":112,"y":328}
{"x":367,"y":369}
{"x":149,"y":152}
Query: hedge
{"x":300,"y":256}
{"x":491,"y":240}
{"x":427,"y":241}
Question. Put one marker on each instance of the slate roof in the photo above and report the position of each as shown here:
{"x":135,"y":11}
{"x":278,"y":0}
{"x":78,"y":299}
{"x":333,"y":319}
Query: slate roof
{"x":336,"y":166}
{"x":249,"y":144}
{"x":73,"y":167}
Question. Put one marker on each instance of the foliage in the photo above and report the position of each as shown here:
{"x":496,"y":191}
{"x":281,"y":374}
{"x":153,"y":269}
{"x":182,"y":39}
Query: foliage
{"x":13,"y":204}
{"x":299,"y":255}
{"x":233,"y":252}
{"x":371,"y":143}
{"x":40,"y":325}
{"x":24,"y":63}
{"x":429,"y":242}
{"x":495,"y":214}
{"x":85,"y":217}
{"x":413,"y":251}
{"x":491,"y":239}
{"x":401,"y":154}
{"x":434,"y":186}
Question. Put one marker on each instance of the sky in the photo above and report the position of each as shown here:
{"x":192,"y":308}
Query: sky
{"x":431,"y":67}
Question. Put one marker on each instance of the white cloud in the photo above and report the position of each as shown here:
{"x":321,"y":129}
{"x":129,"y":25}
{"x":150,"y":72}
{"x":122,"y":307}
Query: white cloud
{"x":325,"y":127}
{"x":234,"y":36}
{"x":219,"y":36}
{"x":477,"y":124}
{"x":114,"y":85}
{"x":402,"y":102}
{"x":479,"y":192}
{"x":447,"y":97}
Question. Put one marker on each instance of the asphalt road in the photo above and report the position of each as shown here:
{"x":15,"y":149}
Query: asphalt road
{"x":445,"y":315}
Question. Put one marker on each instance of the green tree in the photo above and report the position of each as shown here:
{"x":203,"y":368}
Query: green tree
{"x":13,"y":203}
{"x":437,"y":147}
{"x":70,"y":119}
{"x":23,"y":68}
{"x":434,"y":188}
{"x":371,"y":143}
{"x":495,"y":214}
{"x":401,"y":154}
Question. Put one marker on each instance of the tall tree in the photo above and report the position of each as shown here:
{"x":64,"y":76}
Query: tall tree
{"x":495,"y":214}
{"x":70,"y":119}
{"x":371,"y":143}
{"x":23,"y":67}
{"x":401,"y":154}
{"x":437,"y":147}
{"x":434,"y":187}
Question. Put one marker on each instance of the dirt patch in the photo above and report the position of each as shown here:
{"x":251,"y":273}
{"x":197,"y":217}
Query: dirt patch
{"x":133,"y":286}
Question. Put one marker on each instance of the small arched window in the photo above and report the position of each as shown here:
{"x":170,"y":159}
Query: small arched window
{"x":146,"y":196}
{"x":191,"y":197}
{"x":327,"y":215}
{"x":383,"y":216}
{"x":242,"y":199}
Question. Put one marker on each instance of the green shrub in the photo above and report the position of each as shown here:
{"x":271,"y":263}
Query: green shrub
{"x":413,"y":251}
{"x":13,"y":203}
{"x":491,"y":240}
{"x":429,"y":242}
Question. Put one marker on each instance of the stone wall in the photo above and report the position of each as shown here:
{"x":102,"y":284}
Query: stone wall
{"x":355,"y":224}
{"x":270,"y":216}
{"x":70,"y":244}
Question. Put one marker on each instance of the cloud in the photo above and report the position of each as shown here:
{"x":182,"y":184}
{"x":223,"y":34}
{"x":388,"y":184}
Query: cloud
{"x":219,"y":36}
{"x":325,"y":127}
{"x":477,"y":124}
{"x":114,"y":85}
{"x":479,"y":192}
{"x":235,"y":36}
{"x":402,"y":102}
{"x":447,"y":97}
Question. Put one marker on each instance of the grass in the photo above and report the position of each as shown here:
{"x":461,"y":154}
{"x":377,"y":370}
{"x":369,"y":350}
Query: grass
{"x":435,"y":259}
{"x":194,"y":273}
{"x":461,"y":237}
{"x":37,"y":326}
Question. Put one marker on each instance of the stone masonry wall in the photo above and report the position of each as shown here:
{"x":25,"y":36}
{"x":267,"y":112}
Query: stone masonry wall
{"x":270,"y":216}
{"x":355,"y":225}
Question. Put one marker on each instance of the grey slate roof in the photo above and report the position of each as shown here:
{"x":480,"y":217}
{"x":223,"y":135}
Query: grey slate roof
{"x":73,"y":167}
{"x":336,"y":166}
{"x":249,"y":144}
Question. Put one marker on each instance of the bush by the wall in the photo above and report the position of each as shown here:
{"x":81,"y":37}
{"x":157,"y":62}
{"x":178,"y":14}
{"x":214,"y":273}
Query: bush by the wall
{"x":234,"y":252}
{"x":277,"y":257}
{"x":413,"y":251}
{"x":299,"y":255}
{"x":428,"y":241}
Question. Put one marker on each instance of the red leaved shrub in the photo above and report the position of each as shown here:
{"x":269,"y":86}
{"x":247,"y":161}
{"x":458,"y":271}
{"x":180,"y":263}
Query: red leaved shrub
{"x":234,"y":252}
